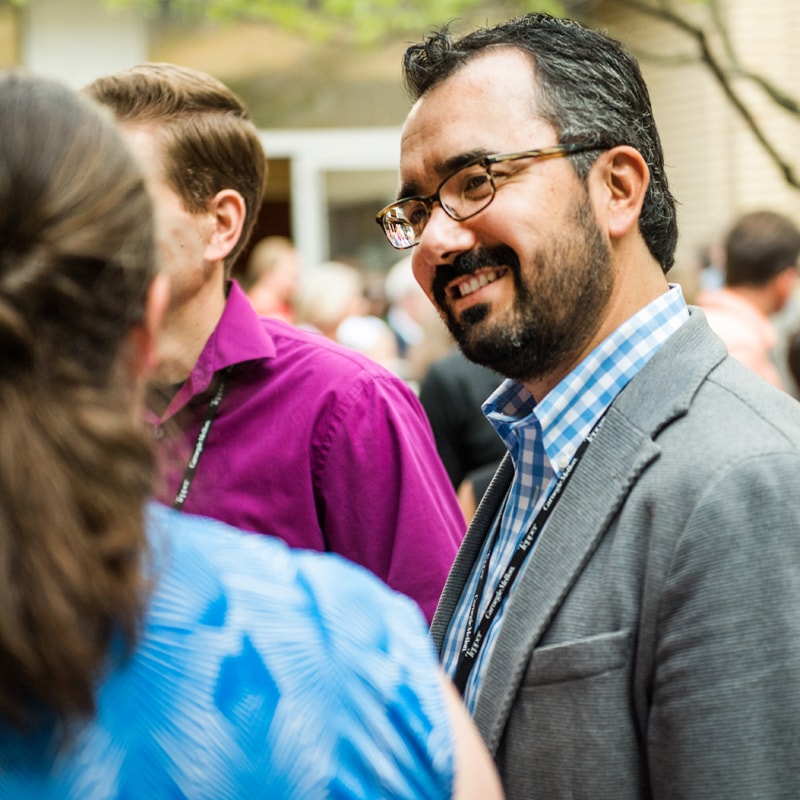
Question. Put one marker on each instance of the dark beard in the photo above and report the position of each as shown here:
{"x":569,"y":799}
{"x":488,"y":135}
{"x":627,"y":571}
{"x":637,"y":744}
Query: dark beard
{"x":556,"y":311}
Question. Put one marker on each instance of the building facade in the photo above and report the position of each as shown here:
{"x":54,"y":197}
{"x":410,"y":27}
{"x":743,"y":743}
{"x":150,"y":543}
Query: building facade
{"x":330,"y":116}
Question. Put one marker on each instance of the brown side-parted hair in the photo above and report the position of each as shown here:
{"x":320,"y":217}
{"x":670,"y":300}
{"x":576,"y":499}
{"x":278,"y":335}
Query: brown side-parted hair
{"x":77,"y":256}
{"x":210,"y":142}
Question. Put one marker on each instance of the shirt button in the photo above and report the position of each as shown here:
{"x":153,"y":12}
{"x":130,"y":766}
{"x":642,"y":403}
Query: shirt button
{"x":562,"y":462}
{"x":158,"y":433}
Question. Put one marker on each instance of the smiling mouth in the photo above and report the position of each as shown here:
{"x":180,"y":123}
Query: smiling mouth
{"x":471,"y":283}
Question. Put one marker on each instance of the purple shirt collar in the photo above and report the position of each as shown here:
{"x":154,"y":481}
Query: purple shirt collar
{"x":237,"y":338}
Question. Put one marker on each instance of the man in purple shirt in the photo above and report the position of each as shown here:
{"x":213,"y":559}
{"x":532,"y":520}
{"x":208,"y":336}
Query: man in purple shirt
{"x":278,"y":430}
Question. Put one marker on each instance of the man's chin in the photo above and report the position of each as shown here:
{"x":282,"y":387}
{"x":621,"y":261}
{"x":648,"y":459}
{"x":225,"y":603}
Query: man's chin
{"x":475,"y":339}
{"x":462,"y":324}
{"x":474,"y":315}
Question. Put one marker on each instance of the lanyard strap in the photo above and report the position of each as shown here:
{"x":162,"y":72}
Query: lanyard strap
{"x":202,"y":435}
{"x":475,"y":639}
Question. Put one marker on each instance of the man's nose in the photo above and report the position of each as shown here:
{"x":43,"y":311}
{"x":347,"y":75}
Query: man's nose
{"x":443,"y":238}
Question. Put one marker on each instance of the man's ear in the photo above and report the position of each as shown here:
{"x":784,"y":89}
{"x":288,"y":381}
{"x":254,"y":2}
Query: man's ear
{"x":228,"y":210}
{"x":624,"y":177}
{"x":144,"y":335}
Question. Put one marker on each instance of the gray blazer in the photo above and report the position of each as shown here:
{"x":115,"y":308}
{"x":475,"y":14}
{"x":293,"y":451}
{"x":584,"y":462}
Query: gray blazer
{"x":651,"y":648}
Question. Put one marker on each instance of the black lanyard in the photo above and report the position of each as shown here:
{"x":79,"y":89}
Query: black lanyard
{"x":202,"y":435}
{"x":475,"y":639}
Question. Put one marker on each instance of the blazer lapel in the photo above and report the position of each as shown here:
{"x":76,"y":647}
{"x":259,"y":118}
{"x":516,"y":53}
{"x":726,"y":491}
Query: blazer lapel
{"x":470,"y":549}
{"x":599,"y":484}
{"x":622,"y":449}
{"x":624,"y":446}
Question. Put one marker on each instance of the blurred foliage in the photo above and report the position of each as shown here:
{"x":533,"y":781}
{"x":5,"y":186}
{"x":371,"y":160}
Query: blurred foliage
{"x":357,"y":21}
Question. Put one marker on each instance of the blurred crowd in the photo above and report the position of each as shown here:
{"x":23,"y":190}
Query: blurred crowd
{"x":746,"y":284}
{"x":386,"y":316}
{"x":744,"y":281}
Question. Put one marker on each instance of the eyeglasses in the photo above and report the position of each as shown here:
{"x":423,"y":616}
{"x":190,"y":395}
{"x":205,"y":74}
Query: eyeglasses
{"x":462,"y":195}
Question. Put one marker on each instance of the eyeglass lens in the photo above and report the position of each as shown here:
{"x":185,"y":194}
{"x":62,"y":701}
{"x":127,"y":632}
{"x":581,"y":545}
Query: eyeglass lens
{"x":462,"y":195}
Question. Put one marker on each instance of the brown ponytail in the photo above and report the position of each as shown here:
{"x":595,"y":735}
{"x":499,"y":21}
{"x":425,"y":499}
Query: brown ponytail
{"x":76,"y":258}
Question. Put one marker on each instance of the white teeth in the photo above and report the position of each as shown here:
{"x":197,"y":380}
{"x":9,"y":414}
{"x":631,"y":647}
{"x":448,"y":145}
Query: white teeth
{"x":472,"y":285}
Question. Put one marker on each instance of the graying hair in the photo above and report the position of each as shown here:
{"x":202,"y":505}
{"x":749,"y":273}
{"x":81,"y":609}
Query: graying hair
{"x":588,"y":87}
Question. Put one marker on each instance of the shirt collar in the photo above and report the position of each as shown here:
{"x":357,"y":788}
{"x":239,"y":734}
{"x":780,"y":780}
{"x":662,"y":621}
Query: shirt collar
{"x":573,"y":407}
{"x":239,"y":336}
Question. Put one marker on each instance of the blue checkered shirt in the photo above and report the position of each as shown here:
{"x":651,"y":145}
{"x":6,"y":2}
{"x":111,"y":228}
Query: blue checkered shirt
{"x":542,"y":439}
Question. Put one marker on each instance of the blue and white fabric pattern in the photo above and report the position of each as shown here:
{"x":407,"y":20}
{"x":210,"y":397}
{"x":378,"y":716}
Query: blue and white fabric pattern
{"x":262,"y":672}
{"x":542,"y":439}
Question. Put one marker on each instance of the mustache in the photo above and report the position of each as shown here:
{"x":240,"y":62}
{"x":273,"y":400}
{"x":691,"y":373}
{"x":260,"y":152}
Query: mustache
{"x":467,"y":263}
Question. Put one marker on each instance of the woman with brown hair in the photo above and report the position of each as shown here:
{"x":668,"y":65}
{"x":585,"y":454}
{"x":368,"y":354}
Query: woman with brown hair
{"x":147,"y":653}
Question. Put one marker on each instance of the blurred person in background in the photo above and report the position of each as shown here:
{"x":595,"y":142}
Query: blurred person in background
{"x":793,"y":360}
{"x":331,"y":301}
{"x":271,"y":276}
{"x":371,"y":336}
{"x":406,"y":306}
{"x":760,"y":268}
{"x":329,"y":293}
{"x":147,"y":653}
{"x":421,"y":336}
{"x":452,"y":393}
{"x":279,"y":430}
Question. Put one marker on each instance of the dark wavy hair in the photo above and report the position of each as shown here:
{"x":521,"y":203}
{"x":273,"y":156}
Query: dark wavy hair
{"x":76,"y":259}
{"x":587,"y":86}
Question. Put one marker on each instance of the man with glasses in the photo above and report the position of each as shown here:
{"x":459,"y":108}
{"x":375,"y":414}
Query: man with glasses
{"x":621,"y":619}
{"x":277,"y":430}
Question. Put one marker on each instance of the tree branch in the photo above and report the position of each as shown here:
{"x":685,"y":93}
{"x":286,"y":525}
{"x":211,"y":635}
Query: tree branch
{"x":720,"y":72}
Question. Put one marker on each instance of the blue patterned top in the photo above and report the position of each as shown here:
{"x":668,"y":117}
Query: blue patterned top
{"x":262,"y":672}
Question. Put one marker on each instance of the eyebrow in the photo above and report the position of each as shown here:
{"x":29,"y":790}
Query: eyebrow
{"x":444,"y":169}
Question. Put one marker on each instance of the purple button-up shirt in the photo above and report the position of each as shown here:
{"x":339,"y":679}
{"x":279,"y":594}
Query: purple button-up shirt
{"x":318,"y":445}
